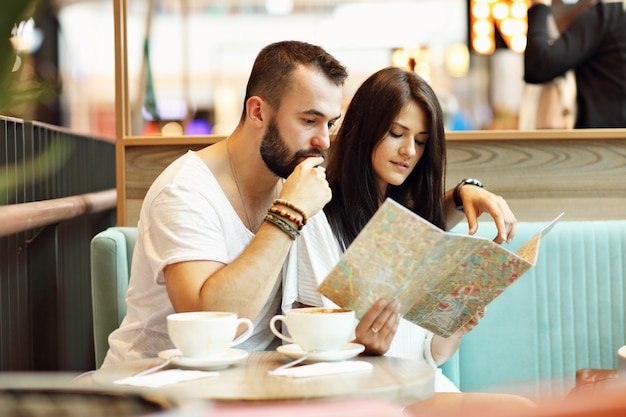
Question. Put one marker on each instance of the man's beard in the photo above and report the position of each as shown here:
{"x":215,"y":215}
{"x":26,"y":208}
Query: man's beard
{"x":276,"y":154}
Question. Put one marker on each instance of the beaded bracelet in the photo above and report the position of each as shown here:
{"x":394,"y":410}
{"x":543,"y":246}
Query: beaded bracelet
{"x":291,"y":231}
{"x":289,"y":204}
{"x":285,"y":214}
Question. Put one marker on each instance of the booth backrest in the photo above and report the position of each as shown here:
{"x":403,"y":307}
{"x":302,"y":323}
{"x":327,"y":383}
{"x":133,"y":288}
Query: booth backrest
{"x":111,"y":256}
{"x":566,"y":313}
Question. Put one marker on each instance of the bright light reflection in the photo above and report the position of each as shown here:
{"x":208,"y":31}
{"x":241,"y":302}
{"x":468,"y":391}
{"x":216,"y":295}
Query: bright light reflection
{"x":482,"y":27}
{"x":26,"y":37}
{"x":480,"y":10}
{"x":510,"y":27}
{"x":518,"y":43}
{"x":482,"y":44}
{"x":518,"y":10}
{"x":500,"y":10}
{"x":279,"y":7}
{"x":457,"y":60}
{"x":399,"y":58}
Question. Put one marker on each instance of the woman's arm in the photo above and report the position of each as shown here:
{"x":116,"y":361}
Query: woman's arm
{"x":477,"y":200}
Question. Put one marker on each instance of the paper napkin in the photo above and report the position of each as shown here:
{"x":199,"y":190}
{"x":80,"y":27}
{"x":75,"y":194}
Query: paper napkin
{"x":324,"y":368}
{"x":161,"y":378}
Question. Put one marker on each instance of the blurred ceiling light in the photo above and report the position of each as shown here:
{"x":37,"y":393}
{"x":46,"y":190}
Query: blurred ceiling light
{"x":279,"y":7}
{"x":509,"y":16}
{"x":500,"y":10}
{"x":25,"y":37}
{"x":399,"y":57}
{"x":518,"y":10}
{"x":510,"y":27}
{"x":457,"y":60}
{"x":482,"y":27}
{"x":416,"y":59}
{"x":483,"y":45}
{"x":518,"y":43}
{"x":480,"y":10}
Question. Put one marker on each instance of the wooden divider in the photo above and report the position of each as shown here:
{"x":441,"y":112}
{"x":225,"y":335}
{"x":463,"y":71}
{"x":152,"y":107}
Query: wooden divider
{"x":540,"y":173}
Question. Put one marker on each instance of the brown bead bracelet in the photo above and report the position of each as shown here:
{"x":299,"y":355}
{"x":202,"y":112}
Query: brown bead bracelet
{"x":289,"y":204}
{"x":285,"y":214}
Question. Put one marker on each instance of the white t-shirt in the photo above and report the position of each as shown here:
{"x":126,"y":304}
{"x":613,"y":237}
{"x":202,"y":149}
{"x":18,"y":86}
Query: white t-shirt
{"x":185,"y":216}
{"x":318,"y":251}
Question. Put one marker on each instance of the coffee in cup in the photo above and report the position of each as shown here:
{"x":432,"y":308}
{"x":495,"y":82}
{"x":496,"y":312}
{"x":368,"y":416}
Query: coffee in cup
{"x":203,"y":334}
{"x":316,"y":328}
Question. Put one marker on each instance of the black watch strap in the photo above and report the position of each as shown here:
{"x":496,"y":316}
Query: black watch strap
{"x":456,"y":194}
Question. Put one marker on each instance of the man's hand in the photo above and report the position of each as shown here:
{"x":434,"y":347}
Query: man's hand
{"x":307,"y":187}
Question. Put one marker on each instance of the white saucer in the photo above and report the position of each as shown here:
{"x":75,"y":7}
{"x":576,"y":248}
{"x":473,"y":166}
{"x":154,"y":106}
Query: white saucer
{"x":349,"y":350}
{"x":207,"y":364}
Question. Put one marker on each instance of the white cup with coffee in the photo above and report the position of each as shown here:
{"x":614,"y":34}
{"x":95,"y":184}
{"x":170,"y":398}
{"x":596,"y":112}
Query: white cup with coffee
{"x":205,"y":334}
{"x":316,"y":328}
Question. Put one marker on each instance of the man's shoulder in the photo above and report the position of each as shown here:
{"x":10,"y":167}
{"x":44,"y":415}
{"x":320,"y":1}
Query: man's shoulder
{"x":187,"y":168}
{"x":187,"y":174}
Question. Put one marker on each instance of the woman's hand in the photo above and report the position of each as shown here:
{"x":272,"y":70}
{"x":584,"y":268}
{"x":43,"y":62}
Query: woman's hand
{"x":378,"y":326}
{"x":477,"y":200}
{"x":442,"y":348}
{"x":469,"y":326}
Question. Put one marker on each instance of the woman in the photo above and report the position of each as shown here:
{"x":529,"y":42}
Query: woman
{"x":391,"y":144}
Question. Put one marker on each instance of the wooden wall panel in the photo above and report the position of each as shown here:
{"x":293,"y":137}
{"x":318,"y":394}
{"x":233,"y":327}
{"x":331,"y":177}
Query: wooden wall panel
{"x":539,"y":173}
{"x":541,"y":178}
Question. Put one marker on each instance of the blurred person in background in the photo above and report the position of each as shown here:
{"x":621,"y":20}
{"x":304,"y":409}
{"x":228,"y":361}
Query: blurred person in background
{"x":594,"y":46}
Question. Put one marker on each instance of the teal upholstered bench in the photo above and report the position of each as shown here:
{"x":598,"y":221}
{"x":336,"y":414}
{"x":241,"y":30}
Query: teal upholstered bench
{"x":566,"y":313}
{"x":111,"y":255}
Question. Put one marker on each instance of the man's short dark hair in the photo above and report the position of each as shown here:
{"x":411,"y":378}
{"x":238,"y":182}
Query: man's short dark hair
{"x":275,"y":64}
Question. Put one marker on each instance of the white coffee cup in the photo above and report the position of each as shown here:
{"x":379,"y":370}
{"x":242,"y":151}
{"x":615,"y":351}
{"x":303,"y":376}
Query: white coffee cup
{"x":621,"y":360}
{"x":316,"y":328}
{"x":202,"y":334}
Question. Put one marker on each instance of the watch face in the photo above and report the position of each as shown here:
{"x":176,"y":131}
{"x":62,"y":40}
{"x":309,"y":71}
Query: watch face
{"x":472,"y":181}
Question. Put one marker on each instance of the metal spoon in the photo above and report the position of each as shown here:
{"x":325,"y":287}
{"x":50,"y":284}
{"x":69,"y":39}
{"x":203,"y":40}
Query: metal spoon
{"x":156,"y":368}
{"x":295,"y":361}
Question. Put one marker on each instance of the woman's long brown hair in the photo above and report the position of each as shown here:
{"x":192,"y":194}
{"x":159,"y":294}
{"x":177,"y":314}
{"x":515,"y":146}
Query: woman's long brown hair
{"x":349,"y":170}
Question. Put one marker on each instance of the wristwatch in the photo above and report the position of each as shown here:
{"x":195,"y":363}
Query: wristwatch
{"x":456,"y":194}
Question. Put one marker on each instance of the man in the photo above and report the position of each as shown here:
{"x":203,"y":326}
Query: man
{"x":203,"y":243}
{"x":206,"y":239}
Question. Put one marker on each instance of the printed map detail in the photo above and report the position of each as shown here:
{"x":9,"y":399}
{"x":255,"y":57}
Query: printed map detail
{"x":440,"y":278}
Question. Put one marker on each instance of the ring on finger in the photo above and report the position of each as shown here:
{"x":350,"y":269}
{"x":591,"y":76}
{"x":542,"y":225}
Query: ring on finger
{"x":375,"y":329}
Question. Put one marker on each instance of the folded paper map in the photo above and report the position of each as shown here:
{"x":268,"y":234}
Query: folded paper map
{"x":440,"y":278}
